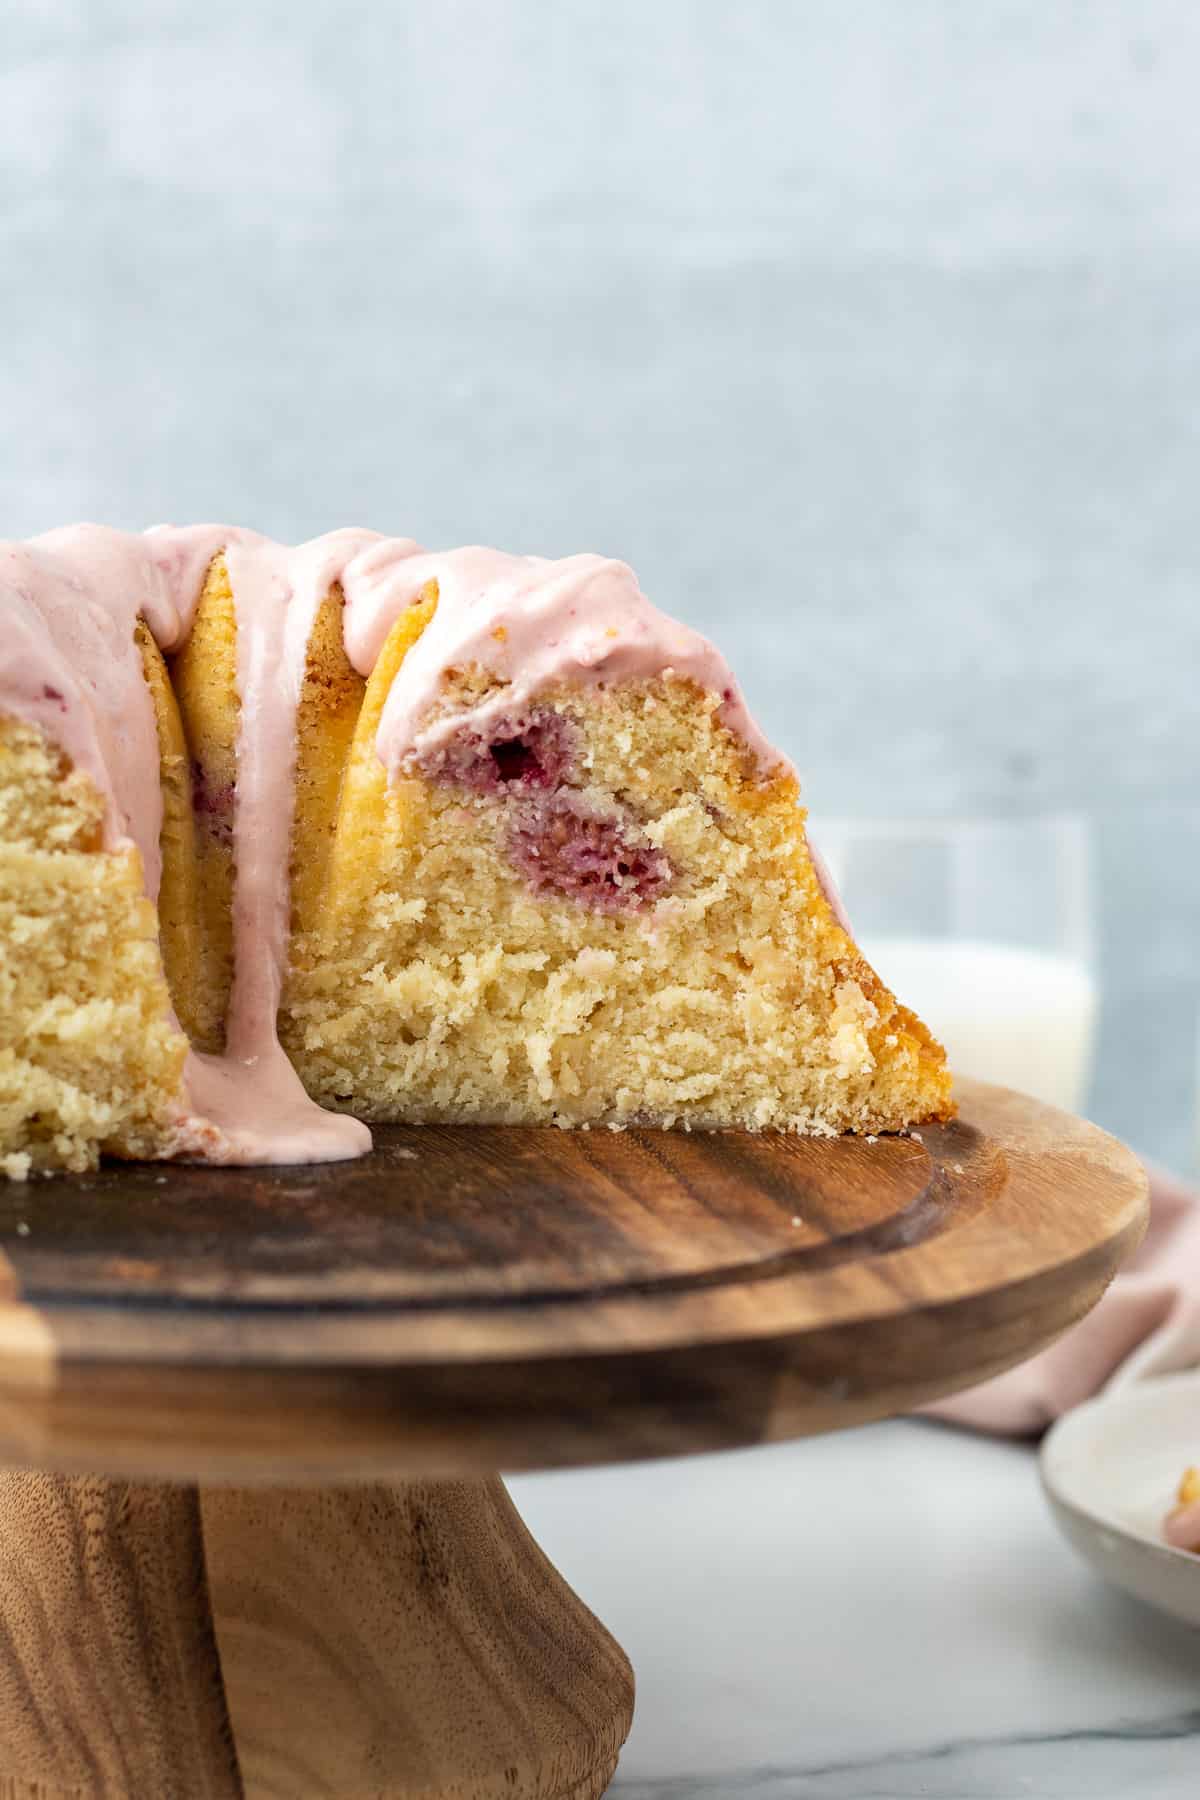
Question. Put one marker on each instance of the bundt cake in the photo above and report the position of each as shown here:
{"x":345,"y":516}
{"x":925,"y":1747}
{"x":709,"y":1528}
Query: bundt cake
{"x":296,"y":838}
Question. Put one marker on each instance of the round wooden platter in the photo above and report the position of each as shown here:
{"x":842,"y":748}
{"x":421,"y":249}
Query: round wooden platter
{"x":467,"y":1299}
{"x":296,"y":1574}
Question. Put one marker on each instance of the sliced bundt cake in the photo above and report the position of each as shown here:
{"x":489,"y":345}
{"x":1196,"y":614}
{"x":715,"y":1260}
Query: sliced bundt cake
{"x":473,"y":837}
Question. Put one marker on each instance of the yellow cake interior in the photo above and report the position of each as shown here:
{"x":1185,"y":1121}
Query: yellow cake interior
{"x":442,"y":988}
{"x":89,"y":1058}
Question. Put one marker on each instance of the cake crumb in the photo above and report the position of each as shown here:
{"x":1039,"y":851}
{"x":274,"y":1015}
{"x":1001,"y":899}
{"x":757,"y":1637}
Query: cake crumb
{"x":22,"y":1228}
{"x":404,"y":1154}
{"x":871,"y":1138}
{"x":797,"y":1220}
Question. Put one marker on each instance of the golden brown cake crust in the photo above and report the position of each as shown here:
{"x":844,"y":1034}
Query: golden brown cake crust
{"x":204,"y":678}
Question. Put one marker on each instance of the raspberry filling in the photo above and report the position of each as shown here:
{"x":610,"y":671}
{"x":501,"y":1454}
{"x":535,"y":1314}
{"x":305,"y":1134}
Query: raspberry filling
{"x":563,"y":847}
{"x":528,"y":750}
{"x":560,"y":843}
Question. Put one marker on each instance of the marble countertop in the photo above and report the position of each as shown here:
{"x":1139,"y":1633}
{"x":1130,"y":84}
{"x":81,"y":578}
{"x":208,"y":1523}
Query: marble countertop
{"x":881,"y":1614}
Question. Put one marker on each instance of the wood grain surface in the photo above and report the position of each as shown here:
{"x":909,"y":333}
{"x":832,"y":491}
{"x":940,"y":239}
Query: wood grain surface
{"x":110,"y":1684}
{"x":388,"y":1641}
{"x":374,"y":1643}
{"x":470,"y":1299}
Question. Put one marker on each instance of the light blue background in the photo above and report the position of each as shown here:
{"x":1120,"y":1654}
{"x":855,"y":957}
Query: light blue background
{"x":867,"y":331}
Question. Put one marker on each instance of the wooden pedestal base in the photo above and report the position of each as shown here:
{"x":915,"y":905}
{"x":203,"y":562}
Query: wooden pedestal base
{"x":361,"y":1643}
{"x":464,"y":1298}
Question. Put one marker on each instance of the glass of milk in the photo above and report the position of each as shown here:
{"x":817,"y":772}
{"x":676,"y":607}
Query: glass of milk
{"x":984,"y":927}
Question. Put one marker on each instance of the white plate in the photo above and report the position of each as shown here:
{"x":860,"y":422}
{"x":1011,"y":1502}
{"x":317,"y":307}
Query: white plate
{"x":1111,"y":1468}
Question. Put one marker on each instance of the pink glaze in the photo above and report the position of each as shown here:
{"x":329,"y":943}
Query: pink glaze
{"x":1181,"y":1528}
{"x":69,"y":664}
{"x":70,"y":601}
{"x":535,"y":624}
{"x":269,"y":1117}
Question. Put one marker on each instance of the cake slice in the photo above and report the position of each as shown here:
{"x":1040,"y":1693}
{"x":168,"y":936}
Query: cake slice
{"x":570,"y":883}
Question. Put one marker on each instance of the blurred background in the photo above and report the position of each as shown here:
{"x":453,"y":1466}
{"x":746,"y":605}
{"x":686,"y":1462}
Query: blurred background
{"x":867,"y":333}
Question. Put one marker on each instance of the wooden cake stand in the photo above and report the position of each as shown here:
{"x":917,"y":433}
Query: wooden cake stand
{"x":297,"y":1575}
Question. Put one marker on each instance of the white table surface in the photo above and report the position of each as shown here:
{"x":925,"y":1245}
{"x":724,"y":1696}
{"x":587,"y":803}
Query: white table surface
{"x":876,"y":1615}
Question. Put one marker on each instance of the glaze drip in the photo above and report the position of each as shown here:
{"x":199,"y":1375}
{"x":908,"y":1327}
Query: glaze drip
{"x":69,"y":664}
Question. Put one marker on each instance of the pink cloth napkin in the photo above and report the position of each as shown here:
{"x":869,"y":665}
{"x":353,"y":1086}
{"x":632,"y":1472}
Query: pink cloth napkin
{"x":1147,"y":1323}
